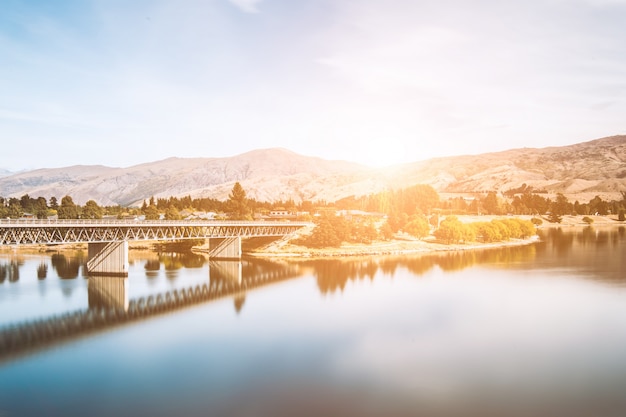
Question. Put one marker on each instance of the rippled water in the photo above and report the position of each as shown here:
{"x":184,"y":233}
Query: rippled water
{"x":533,"y":330}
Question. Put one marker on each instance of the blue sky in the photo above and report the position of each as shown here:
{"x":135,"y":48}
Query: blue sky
{"x":118,"y":83}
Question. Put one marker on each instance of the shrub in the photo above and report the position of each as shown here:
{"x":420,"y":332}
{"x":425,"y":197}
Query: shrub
{"x":587,"y":219}
{"x":418,"y":227}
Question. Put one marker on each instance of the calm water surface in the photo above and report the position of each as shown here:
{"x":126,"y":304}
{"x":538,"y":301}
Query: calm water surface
{"x":534,"y":330}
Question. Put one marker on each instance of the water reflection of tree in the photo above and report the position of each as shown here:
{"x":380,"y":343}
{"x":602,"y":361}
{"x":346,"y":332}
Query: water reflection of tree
{"x":420,"y":265}
{"x":587,"y":236}
{"x":602,"y":239}
{"x":42,"y":270}
{"x":178,"y":260}
{"x":151,"y":267}
{"x":559,"y":241}
{"x":239,"y":302}
{"x":599,"y":251}
{"x":11,"y":271}
{"x":334,"y":274}
{"x":174,"y":261}
{"x":181,"y":246}
{"x":67,"y":268}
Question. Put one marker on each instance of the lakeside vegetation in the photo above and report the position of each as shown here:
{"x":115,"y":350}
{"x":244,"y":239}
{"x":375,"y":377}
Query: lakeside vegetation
{"x":416,"y":211}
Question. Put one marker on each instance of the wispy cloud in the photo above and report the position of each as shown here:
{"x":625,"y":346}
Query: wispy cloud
{"x":375,"y":81}
{"x":248,"y":6}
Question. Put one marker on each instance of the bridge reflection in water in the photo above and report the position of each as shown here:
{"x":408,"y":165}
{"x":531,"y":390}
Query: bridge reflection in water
{"x":109,"y":304}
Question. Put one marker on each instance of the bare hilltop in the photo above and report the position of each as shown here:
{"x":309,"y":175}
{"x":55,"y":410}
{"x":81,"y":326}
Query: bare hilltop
{"x":580,"y":172}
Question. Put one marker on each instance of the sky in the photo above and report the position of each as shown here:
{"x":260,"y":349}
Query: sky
{"x":380,"y":82}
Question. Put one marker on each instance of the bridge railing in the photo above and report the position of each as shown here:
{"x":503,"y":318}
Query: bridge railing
{"x":133,"y":222}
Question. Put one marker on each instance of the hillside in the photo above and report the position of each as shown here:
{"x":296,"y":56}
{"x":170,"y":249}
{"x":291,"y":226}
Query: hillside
{"x":579,"y":171}
{"x":582,"y":170}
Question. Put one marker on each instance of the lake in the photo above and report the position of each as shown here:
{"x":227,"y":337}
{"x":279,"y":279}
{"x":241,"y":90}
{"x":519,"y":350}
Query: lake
{"x":530,"y":330}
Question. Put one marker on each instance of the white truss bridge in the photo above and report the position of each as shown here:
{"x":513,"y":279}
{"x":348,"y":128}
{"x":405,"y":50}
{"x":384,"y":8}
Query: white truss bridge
{"x":108,"y":239}
{"x":28,"y":232}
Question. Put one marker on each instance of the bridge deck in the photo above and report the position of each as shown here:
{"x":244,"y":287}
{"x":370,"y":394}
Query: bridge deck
{"x":24,"y":232}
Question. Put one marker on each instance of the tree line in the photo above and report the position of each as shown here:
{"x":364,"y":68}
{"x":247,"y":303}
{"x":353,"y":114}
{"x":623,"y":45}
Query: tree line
{"x":415,"y":210}
{"x":15,"y":208}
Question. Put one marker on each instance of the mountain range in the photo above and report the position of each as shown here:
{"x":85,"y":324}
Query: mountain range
{"x":579,"y":171}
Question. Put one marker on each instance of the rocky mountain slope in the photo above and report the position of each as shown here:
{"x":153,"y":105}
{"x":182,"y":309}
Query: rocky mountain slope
{"x":580,"y":171}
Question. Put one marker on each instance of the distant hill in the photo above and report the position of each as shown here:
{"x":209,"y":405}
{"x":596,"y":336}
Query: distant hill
{"x":590,"y":168}
{"x":579,"y":171}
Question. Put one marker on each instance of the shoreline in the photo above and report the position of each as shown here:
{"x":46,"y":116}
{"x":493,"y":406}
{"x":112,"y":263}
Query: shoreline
{"x":394,"y":247}
{"x":402,"y":245}
{"x":405,"y":245}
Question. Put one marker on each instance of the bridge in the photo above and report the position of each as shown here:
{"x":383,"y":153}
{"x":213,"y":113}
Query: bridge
{"x":108,"y":239}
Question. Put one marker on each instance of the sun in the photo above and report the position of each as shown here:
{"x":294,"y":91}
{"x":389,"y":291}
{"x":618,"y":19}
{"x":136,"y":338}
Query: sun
{"x":379,"y":154}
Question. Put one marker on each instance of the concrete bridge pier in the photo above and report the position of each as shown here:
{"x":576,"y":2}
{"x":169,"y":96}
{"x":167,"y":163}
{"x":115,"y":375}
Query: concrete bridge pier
{"x":111,"y":258}
{"x":107,"y":258}
{"x":225,"y":248}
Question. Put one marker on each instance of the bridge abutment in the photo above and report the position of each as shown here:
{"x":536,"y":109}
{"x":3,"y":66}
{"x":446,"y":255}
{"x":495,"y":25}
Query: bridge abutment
{"x":107,"y":258}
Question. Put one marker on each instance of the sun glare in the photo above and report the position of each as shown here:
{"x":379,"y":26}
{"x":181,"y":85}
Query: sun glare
{"x":380,"y":154}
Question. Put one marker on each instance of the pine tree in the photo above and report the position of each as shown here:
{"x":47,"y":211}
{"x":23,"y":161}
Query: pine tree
{"x":238,"y":203}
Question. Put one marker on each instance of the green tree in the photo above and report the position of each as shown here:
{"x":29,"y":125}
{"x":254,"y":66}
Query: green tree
{"x":491,"y":204}
{"x":238,"y":203}
{"x":67,"y":209}
{"x":40,"y":208}
{"x":172,"y":213}
{"x":599,"y":206}
{"x":386,"y":232}
{"x":451,"y":230}
{"x":488,"y":231}
{"x":324,"y":234}
{"x":152,"y":213}
{"x":364,"y":232}
{"x":561,"y":205}
{"x":554,"y":217}
{"x":27,"y":203}
{"x":420,"y":199}
{"x":15,"y":210}
{"x":91,"y":210}
{"x":418,"y":227}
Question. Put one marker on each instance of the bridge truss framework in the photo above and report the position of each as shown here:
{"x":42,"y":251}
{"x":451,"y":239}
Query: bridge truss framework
{"x":26,"y":232}
{"x":108,"y":240}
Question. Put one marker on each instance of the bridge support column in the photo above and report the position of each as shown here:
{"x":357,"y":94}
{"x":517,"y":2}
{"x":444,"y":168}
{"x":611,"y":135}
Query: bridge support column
{"x":107,"y":258}
{"x":225,"y":248}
